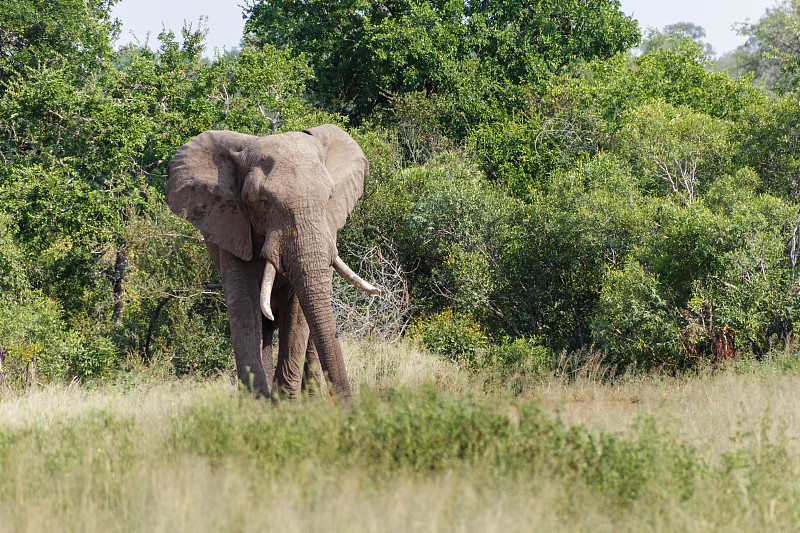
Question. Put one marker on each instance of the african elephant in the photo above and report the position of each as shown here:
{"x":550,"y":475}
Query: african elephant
{"x":269,"y":209}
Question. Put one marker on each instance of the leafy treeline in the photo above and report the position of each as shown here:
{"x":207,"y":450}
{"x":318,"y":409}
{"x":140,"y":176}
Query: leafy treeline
{"x":479,"y":58}
{"x":544,"y":188}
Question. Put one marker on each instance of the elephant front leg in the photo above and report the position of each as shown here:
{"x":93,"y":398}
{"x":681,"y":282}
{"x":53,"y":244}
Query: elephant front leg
{"x":293,"y":339}
{"x":241,"y":280}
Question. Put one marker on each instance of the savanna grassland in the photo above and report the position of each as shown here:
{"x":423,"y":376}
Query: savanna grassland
{"x":422,"y":446}
{"x":586,"y":234}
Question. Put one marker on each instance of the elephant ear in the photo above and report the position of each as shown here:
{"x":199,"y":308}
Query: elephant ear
{"x":204,"y":188}
{"x":347,"y":166}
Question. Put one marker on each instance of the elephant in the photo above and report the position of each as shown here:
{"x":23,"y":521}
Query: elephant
{"x":269,"y":209}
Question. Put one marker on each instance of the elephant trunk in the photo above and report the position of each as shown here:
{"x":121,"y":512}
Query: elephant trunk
{"x":309,"y":272}
{"x":314,"y":294}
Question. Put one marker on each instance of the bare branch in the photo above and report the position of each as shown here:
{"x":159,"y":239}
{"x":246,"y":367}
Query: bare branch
{"x":382,"y":317}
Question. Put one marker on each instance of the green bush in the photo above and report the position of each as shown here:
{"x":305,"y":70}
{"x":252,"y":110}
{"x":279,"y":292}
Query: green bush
{"x":13,"y":278}
{"x":633,"y":322}
{"x":552,"y":269}
{"x":453,"y":334}
{"x":676,"y":149}
{"x":39,"y":347}
{"x":512,"y":157}
{"x":88,"y":356}
{"x":200,"y":352}
{"x":454,"y":233}
{"x":170,"y":314}
{"x":192,"y":334}
{"x":521,"y":356}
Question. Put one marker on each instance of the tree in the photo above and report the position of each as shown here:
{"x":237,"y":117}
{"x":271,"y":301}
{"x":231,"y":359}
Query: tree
{"x":676,"y":145}
{"x":578,"y":116}
{"x":74,"y":33}
{"x":672,"y":34}
{"x":770,"y":54}
{"x":365,"y":53}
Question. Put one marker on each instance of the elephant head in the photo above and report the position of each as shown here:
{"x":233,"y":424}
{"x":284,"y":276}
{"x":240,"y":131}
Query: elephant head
{"x":277,"y":200}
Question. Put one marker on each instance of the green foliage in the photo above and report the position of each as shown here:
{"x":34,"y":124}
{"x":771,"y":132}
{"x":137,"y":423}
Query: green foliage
{"x":195,"y":349}
{"x":170,"y":314}
{"x":26,"y":327}
{"x":512,"y":154}
{"x":674,"y":148}
{"x":363,"y":54}
{"x":769,"y":55}
{"x":455,"y":227}
{"x":633,"y":322}
{"x":74,"y":32}
{"x":579,"y":116}
{"x":88,"y":357}
{"x":37,"y":345}
{"x":13,"y":278}
{"x":459,"y":337}
{"x":677,"y":76}
{"x":706,"y":278}
{"x":755,"y":291}
{"x":521,"y":357}
{"x":453,"y":334}
{"x":422,"y":124}
{"x":552,"y":269}
{"x":519,"y":163}
{"x":767,"y":140}
{"x":448,"y":225}
{"x":672,"y":35}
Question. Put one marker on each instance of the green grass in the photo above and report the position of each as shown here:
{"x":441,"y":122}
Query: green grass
{"x":423,"y":446}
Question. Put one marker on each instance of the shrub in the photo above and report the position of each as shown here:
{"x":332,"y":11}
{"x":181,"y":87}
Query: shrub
{"x":200,"y":352}
{"x":170,"y":313}
{"x":37,"y":346}
{"x":633,"y":322}
{"x":676,"y":148}
{"x":511,"y":156}
{"x":525,"y":356}
{"x":12,"y":266}
{"x":453,"y":334}
{"x":87,"y":356}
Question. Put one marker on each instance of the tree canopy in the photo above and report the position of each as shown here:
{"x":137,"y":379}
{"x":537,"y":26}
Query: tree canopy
{"x":366,"y":53}
{"x":770,"y":53}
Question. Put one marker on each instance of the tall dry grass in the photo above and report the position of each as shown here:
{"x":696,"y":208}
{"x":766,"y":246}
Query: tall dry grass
{"x":153,"y":454}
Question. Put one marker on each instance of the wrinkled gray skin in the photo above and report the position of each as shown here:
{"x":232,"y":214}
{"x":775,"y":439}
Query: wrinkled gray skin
{"x":269,"y":209}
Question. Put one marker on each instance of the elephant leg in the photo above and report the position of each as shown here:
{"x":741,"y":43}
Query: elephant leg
{"x":312,"y":371}
{"x":294,"y":336}
{"x":242,"y":283}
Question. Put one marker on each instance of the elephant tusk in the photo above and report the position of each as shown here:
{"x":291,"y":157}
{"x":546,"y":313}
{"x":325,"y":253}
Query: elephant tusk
{"x":266,"y":290}
{"x":353,"y":278}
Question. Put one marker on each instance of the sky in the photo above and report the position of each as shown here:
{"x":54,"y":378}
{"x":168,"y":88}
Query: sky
{"x":716,"y":16}
{"x":225,"y":22}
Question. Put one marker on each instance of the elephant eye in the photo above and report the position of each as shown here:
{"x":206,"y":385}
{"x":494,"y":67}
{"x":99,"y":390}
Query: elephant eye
{"x":264,"y":199}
